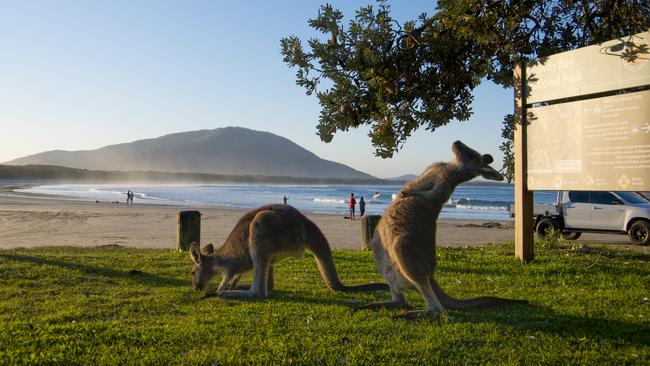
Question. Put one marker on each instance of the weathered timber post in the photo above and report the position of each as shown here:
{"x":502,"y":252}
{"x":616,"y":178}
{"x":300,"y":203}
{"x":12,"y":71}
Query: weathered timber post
{"x":523,"y":197}
{"x":188,"y":229}
{"x":368,"y":225}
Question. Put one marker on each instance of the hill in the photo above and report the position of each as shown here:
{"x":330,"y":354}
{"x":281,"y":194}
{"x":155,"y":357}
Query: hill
{"x":223,"y":151}
{"x":63,"y":174}
{"x":403,"y":178}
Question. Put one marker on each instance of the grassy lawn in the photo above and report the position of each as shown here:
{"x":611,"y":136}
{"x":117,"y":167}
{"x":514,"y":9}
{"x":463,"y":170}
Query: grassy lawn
{"x":118,"y":305}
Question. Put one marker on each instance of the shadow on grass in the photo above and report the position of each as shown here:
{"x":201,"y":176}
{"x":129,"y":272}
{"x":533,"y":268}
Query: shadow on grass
{"x":134,"y":275}
{"x":298,"y":297}
{"x":448,"y":269}
{"x":531,"y":318}
{"x":528,"y":318}
{"x":601,"y":268}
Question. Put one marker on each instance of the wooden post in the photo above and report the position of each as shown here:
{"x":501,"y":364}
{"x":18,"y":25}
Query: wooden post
{"x":368,"y":225}
{"x":188,"y":229}
{"x":524,"y":248}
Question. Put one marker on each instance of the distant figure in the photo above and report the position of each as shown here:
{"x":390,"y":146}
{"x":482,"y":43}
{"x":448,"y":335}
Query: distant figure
{"x":284,"y":199}
{"x":362,"y":207}
{"x":128,"y":197}
{"x":132,"y":194}
{"x":352,"y":202}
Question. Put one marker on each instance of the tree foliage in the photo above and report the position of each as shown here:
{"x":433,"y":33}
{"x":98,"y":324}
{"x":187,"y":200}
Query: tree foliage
{"x":391,"y":76}
{"x":400,"y":77}
{"x":507,"y":146}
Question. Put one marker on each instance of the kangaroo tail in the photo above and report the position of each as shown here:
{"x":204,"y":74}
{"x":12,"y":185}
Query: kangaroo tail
{"x":473,"y":303}
{"x":318,"y":244}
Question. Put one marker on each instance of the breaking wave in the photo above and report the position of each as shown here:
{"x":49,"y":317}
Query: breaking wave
{"x":329,"y":201}
{"x":478,"y":204}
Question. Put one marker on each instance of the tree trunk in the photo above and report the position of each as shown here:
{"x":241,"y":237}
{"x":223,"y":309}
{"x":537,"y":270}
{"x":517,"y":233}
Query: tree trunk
{"x":188,"y":229}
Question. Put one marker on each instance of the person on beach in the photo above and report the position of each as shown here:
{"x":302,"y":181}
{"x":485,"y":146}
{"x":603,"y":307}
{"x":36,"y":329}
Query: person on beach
{"x":128,"y":197}
{"x":362,"y":207}
{"x":132,"y":195}
{"x":353,"y":203}
{"x":284,"y":199}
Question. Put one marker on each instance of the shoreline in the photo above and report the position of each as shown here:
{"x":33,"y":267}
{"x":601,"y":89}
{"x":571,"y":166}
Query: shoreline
{"x":32,"y":221}
{"x":35,"y":222}
{"x":475,"y":214}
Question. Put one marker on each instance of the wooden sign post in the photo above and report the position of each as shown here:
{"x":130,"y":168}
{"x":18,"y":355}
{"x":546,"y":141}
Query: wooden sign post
{"x":523,"y":197}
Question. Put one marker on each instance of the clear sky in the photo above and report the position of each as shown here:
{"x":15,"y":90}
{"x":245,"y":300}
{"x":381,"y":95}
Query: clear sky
{"x":77,"y":75}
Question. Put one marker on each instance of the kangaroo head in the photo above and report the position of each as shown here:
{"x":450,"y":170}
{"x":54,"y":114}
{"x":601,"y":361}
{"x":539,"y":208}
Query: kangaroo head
{"x":203,"y":267}
{"x":475,"y":163}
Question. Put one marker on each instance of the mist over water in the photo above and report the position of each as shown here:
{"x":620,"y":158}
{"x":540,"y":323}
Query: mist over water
{"x":473,"y":202}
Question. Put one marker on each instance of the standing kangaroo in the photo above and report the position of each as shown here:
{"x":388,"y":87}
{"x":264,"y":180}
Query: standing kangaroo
{"x":260,"y":238}
{"x":404,"y":244}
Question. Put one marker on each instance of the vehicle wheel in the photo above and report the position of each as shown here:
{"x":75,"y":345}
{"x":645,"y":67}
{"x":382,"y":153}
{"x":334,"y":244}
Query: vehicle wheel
{"x":545,"y":226}
{"x":571,"y":236}
{"x":640,"y":233}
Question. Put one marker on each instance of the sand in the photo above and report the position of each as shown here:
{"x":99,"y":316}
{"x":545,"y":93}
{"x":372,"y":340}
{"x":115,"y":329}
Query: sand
{"x":32,"y":222}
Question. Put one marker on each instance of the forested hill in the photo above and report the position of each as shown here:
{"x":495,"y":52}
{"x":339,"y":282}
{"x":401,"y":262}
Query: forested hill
{"x":223,"y":151}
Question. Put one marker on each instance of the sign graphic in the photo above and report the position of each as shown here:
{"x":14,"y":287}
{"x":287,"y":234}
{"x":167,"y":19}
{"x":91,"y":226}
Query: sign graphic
{"x":591,"y":144}
{"x":617,"y":64}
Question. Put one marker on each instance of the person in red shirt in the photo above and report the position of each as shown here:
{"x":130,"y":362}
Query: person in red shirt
{"x":353,"y":203}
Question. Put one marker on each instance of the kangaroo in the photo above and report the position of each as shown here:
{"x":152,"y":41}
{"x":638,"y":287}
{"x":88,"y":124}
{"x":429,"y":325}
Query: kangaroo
{"x":404,"y":244}
{"x":260,"y":238}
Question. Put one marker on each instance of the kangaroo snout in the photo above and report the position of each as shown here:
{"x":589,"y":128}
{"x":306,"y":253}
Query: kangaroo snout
{"x":197,"y":286}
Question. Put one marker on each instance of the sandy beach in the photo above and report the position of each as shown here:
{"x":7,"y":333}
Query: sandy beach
{"x":33,"y":222}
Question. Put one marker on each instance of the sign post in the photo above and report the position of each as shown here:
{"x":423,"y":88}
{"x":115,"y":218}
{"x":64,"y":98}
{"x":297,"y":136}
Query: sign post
{"x":523,"y":197}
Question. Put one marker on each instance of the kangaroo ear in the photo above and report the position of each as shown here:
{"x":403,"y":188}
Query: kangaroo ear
{"x":487,"y":159}
{"x":208,"y":249}
{"x":195,"y":253}
{"x":461,"y":151}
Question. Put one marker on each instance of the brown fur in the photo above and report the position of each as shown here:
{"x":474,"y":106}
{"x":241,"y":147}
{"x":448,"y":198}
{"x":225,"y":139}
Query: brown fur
{"x":260,"y":238}
{"x":404,"y":244}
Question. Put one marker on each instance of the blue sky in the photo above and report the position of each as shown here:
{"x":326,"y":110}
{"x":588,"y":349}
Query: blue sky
{"x":78,"y":75}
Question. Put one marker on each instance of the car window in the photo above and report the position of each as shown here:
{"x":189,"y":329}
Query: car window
{"x":603,"y":198}
{"x":644,"y":195}
{"x":580,"y":197}
{"x":630,"y":197}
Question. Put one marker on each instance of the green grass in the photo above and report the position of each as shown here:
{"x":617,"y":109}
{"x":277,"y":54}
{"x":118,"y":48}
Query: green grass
{"x":122,"y":306}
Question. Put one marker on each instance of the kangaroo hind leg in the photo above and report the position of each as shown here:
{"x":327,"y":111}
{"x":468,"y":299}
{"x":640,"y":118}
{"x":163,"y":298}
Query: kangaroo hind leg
{"x":417,"y":268}
{"x":398,"y":302}
{"x":434,"y":307}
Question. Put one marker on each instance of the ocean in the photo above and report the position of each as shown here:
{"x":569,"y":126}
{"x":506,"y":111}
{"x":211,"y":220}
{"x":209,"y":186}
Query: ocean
{"x":470,"y":202}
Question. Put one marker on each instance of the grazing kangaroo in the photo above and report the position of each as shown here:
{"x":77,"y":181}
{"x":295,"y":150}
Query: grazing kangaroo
{"x":261,"y":238}
{"x":404,"y":244}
